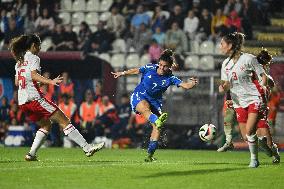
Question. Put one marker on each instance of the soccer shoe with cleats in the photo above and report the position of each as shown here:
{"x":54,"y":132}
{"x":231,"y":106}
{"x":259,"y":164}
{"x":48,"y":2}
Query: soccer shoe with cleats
{"x":254,"y":163}
{"x":275,"y":154}
{"x":29,"y":157}
{"x":94,"y":148}
{"x":225,"y":147}
{"x":161,"y":120}
{"x":150,"y":158}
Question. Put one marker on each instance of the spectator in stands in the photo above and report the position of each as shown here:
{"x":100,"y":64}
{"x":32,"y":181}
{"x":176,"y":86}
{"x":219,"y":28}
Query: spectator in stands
{"x":116,"y":22}
{"x":142,"y":38}
{"x":88,"y":114}
{"x":105,"y":105}
{"x":3,"y":18}
{"x":30,"y":20}
{"x":191,"y":23}
{"x":218,"y":28}
{"x":84,"y":34}
{"x":204,"y":28}
{"x":12,"y":32}
{"x":44,"y":23}
{"x":14,"y":100}
{"x":233,"y":22}
{"x":67,"y":106}
{"x":19,"y":20}
{"x":229,"y":7}
{"x":249,"y":16}
{"x":16,"y":115}
{"x":48,"y":90}
{"x":119,"y":4}
{"x":158,"y":20}
{"x":66,"y":86}
{"x":21,"y":7}
{"x":124,"y":112}
{"x":70,"y":38}
{"x":155,"y":51}
{"x":159,"y":36}
{"x":176,"y":39}
{"x":176,"y":16}
{"x":217,"y":4}
{"x":100,"y":41}
{"x":58,"y":39}
{"x":98,"y":91}
{"x":196,"y":8}
{"x":129,"y":10}
{"x":4,"y":110}
{"x":139,"y":18}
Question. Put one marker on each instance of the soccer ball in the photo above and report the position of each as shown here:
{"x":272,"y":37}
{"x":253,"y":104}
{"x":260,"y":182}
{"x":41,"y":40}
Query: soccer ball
{"x":207,"y":132}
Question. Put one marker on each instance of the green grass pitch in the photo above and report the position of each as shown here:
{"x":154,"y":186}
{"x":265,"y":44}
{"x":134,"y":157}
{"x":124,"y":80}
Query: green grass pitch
{"x":177,"y":169}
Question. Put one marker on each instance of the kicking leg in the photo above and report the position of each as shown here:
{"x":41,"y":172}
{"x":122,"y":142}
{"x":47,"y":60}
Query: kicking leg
{"x":70,"y":131}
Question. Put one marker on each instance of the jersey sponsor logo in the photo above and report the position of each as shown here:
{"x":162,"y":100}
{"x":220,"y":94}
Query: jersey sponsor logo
{"x":150,"y":76}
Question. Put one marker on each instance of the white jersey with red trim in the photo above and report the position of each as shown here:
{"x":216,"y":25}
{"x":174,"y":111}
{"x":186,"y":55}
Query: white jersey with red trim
{"x":28,"y":90}
{"x":244,"y":80}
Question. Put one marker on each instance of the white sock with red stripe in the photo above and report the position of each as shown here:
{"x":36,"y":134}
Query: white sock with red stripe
{"x":252,"y":143}
{"x":40,"y":137}
{"x":75,"y":136}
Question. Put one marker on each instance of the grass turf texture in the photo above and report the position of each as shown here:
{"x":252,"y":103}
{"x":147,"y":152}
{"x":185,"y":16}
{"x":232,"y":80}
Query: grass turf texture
{"x":69,"y":168}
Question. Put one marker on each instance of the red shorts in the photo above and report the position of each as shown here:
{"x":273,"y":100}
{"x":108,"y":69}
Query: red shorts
{"x":242,"y":114}
{"x":38,"y":109}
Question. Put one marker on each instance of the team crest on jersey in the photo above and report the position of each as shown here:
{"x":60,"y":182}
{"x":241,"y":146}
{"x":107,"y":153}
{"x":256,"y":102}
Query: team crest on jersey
{"x":1,"y":88}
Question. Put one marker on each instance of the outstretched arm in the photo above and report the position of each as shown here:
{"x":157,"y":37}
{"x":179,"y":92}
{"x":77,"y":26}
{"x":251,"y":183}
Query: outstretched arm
{"x":39,"y":78}
{"x":190,"y":84}
{"x":133,"y":71}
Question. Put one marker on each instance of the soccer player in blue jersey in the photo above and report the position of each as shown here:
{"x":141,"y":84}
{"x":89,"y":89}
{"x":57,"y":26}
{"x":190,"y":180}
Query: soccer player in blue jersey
{"x":147,"y":96}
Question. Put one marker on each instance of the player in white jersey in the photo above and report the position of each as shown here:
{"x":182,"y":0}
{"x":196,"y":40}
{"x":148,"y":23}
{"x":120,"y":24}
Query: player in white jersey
{"x":32,"y":102}
{"x":240,"y":74}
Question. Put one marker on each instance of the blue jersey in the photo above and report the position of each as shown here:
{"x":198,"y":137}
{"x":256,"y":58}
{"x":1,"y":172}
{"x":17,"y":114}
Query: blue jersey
{"x":152,"y":86}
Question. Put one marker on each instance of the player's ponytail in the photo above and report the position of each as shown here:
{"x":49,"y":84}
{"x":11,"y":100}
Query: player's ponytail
{"x":169,"y":56}
{"x":264,"y":57}
{"x":237,"y":40}
{"x":19,"y":45}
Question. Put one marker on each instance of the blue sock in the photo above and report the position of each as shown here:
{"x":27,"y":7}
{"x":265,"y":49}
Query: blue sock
{"x":153,"y":145}
{"x":153,"y":118}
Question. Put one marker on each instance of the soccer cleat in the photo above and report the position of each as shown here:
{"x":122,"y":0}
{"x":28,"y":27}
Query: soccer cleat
{"x":150,"y":158}
{"x":225,"y":147}
{"x":161,"y":120}
{"x":94,"y":148}
{"x":254,"y":163}
{"x":275,"y":154}
{"x":29,"y":157}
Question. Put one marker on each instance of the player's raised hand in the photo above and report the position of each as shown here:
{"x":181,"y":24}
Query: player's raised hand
{"x":56,"y":80}
{"x":117,"y":74}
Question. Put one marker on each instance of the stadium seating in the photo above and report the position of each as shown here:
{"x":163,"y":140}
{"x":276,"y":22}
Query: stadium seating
{"x":105,"y":56}
{"x":119,"y":45}
{"x":206,"y":47}
{"x":118,"y":60}
{"x":133,"y":60}
{"x":217,"y":48}
{"x":79,"y":5}
{"x":76,"y":29}
{"x":191,"y":62}
{"x":77,"y":18}
{"x":93,"y":5}
{"x":92,"y":18}
{"x":65,"y":17}
{"x":150,"y":13}
{"x":145,"y":59}
{"x":104,"y":16}
{"x":194,"y":46}
{"x":166,"y":14}
{"x":46,"y":44}
{"x":105,"y":5}
{"x":93,"y":28}
{"x":206,"y":63}
{"x":66,"y":4}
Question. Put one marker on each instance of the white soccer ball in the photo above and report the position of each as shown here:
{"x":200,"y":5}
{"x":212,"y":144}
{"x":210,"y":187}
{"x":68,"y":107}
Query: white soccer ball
{"x":207,"y":132}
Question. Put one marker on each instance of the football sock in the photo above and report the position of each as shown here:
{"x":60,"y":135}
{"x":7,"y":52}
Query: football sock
{"x":153,"y":145}
{"x":153,"y":118}
{"x":263,"y":145}
{"x":228,"y":133}
{"x":252,"y":143}
{"x":40,"y":137}
{"x":76,"y":137}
